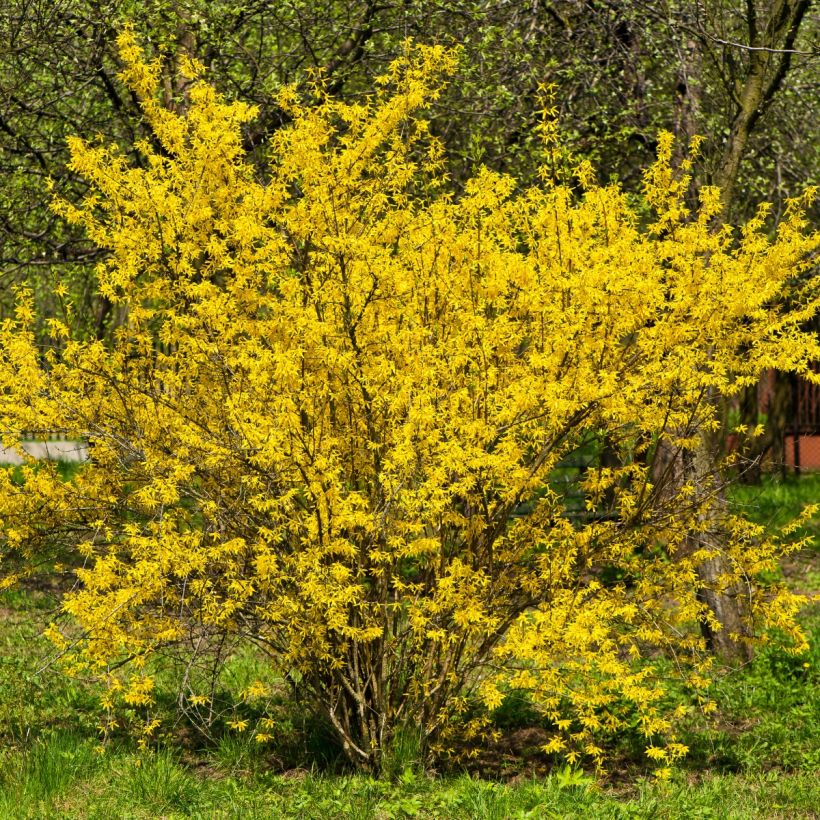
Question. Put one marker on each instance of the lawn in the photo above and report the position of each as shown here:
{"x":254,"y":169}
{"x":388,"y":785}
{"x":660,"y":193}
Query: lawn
{"x":758,"y":756}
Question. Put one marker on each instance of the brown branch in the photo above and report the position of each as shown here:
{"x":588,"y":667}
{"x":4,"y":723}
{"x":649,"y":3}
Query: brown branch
{"x":767,"y":49}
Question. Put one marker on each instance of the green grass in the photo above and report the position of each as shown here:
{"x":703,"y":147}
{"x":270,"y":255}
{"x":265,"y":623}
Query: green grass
{"x":758,"y":757}
{"x":60,"y":780}
{"x":768,"y":715}
{"x":775,"y":503}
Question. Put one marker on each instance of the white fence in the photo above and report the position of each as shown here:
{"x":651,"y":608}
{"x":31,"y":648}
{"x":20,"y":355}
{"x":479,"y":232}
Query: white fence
{"x":55,"y":449}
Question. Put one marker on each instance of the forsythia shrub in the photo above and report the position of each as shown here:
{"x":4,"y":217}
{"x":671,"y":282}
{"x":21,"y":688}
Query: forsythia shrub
{"x":329,"y":420}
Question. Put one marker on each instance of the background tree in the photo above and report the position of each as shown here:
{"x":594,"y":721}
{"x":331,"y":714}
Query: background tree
{"x":742,"y":72}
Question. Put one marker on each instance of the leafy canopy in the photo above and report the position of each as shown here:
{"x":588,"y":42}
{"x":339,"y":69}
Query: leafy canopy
{"x":332,"y":416}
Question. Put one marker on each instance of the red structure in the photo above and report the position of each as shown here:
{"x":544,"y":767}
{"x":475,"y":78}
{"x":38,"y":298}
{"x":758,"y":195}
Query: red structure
{"x":803,"y":439}
{"x":795,"y":402}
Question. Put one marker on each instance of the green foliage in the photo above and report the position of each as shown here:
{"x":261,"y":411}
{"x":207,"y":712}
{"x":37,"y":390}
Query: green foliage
{"x":776,"y":502}
{"x":768,"y":716}
{"x":45,"y":770}
{"x":159,"y":784}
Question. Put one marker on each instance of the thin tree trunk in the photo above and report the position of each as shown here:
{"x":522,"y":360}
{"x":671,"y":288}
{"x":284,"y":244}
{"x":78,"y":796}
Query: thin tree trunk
{"x":671,"y":469}
{"x":769,"y":59}
{"x":726,"y":601}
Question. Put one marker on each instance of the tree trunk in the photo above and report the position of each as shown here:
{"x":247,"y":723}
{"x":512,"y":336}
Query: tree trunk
{"x":671,"y":469}
{"x":769,"y":59}
{"x":726,"y":601}
{"x":727,"y":605}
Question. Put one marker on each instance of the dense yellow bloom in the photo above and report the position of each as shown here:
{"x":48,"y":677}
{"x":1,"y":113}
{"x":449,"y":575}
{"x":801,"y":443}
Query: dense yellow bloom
{"x":335,"y":409}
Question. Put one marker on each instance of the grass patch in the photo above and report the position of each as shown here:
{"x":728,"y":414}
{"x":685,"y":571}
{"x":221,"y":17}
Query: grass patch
{"x":159,"y":783}
{"x":768,"y":714}
{"x":158,"y":786}
{"x":774,"y":503}
{"x":38,"y":774}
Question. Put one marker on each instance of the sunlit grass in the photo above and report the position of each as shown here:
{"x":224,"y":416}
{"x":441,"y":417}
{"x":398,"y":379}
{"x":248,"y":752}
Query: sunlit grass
{"x":775,"y":502}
